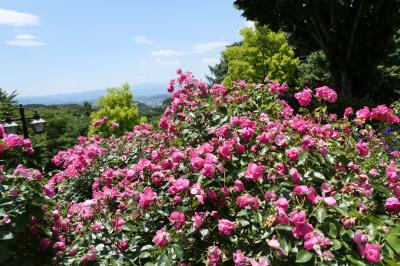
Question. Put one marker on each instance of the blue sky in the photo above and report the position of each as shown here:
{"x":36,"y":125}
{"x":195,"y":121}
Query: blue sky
{"x":54,"y":46}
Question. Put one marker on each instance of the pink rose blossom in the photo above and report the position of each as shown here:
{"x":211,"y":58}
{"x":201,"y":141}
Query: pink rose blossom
{"x":293,"y":154}
{"x":162,"y":237}
{"x":392,"y":204}
{"x":304,"y":97}
{"x":326,"y":93}
{"x":226,"y":227}
{"x":254,"y":172}
{"x":213,"y":256}
{"x":177,"y":219}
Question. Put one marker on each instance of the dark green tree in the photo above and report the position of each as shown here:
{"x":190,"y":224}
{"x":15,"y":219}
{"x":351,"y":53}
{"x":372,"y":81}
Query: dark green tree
{"x":356,"y":36}
{"x":7,"y":102}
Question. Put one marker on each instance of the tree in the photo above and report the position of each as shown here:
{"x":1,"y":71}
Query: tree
{"x":314,"y":70}
{"x":262,"y":53}
{"x":7,"y":102}
{"x":219,"y":71}
{"x":117,"y":112}
{"x":356,"y":36}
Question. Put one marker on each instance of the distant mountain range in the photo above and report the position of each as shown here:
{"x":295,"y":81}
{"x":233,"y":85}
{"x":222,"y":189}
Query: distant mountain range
{"x":150,"y":94}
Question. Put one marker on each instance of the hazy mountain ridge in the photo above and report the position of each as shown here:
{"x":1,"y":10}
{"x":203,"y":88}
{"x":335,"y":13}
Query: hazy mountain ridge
{"x":150,"y":94}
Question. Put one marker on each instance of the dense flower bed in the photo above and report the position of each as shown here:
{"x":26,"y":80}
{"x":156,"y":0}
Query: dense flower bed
{"x":233,"y":176}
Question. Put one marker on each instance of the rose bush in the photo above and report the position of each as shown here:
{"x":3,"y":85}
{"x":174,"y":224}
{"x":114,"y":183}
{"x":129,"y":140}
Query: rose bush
{"x":22,"y":204}
{"x":233,"y":176}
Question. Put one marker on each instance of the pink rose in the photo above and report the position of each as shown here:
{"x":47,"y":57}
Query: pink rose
{"x":392,"y":204}
{"x":296,"y":177}
{"x":238,"y":185}
{"x":254,"y":172}
{"x":119,"y":223}
{"x":348,"y":112}
{"x":162,"y":237}
{"x":244,"y":201}
{"x":239,"y":258}
{"x":304,"y":98}
{"x":208,"y":170}
{"x":177,"y":219}
{"x":363,"y":113}
{"x":326,"y":93}
{"x":372,"y":252}
{"x":362,"y":148}
{"x":293,"y":154}
{"x":282,"y":203}
{"x":213,"y":255}
{"x":226,"y":227}
{"x":147,"y":197}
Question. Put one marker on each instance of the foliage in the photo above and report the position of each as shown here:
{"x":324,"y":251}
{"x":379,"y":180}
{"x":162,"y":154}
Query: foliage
{"x":116,"y":108}
{"x":346,"y":31}
{"x":21,"y":204}
{"x":314,"y":71}
{"x":389,"y":75}
{"x":64,"y":124}
{"x":262,"y":53}
{"x":219,"y":71}
{"x":233,"y":176}
{"x":7,"y":102}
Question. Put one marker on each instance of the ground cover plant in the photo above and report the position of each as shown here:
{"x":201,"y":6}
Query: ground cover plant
{"x":232,"y":176}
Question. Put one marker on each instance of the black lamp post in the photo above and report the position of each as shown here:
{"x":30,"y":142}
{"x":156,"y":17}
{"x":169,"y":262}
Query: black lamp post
{"x":38,"y":124}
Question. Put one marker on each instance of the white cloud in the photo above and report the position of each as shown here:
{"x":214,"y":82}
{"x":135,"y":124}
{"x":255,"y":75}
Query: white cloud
{"x":166,"y":52}
{"x":17,"y":19}
{"x":196,"y":49}
{"x":24,"y":40}
{"x":208,"y":46}
{"x":142,"y":40}
{"x":166,"y":63}
{"x":209,"y":61}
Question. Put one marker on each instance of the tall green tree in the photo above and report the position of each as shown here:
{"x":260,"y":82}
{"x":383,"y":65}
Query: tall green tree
{"x":356,"y":36}
{"x":118,"y":107}
{"x":7,"y":102}
{"x":262,"y":53}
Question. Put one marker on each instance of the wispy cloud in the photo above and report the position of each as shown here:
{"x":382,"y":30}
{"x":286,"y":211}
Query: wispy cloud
{"x":166,"y":52}
{"x":24,"y":40}
{"x":166,"y":62}
{"x":17,"y":19}
{"x":142,"y":40}
{"x":209,"y":61}
{"x":199,"y":48}
{"x":208,"y":46}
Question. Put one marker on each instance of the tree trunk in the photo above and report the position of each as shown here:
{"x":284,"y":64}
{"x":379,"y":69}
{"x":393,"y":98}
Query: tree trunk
{"x":345,"y":84}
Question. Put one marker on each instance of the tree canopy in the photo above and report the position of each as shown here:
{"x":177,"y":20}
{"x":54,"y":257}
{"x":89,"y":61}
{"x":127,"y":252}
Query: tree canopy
{"x":118,"y":111}
{"x":262,"y":53}
{"x":356,"y":36}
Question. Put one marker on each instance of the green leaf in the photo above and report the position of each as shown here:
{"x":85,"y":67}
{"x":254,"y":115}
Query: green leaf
{"x":330,"y":159}
{"x":336,"y":244}
{"x":178,"y":251}
{"x":243,"y":222}
{"x":354,"y":261}
{"x":5,"y":235}
{"x":320,"y":213}
{"x":4,"y":253}
{"x":163,"y":260}
{"x":394,"y":242}
{"x":332,"y":230}
{"x":144,"y":255}
{"x":319,"y":175}
{"x":284,"y":227}
{"x":303,"y":256}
